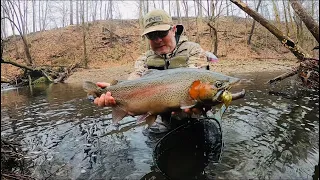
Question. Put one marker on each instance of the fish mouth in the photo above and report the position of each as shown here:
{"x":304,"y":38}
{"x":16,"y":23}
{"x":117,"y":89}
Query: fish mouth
{"x":218,"y":98}
{"x":238,"y":95}
{"x":220,"y":91}
{"x":226,"y":87}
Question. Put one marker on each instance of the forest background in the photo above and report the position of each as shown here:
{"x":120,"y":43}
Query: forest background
{"x":106,"y":34}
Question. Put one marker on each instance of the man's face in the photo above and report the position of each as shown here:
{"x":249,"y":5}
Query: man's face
{"x":163,"y":45}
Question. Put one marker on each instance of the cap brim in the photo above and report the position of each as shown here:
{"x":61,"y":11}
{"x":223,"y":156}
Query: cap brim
{"x":161,"y":27}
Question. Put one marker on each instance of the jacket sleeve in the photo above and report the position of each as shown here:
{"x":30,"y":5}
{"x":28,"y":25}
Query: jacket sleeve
{"x":197,"y":57}
{"x":140,"y":67}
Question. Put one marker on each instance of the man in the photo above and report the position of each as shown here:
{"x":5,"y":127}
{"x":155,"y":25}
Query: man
{"x":169,"y":50}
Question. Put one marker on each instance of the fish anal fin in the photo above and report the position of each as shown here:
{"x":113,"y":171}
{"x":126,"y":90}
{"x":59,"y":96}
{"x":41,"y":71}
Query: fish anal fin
{"x":194,"y":89}
{"x":143,"y":117}
{"x":150,"y":120}
{"x":118,"y":114}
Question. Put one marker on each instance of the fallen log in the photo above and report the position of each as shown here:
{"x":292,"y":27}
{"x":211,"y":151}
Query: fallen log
{"x":68,"y":71}
{"x":308,"y":69}
{"x":284,"y":76}
{"x":45,"y":74}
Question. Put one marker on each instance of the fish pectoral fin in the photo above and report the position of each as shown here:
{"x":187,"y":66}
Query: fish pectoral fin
{"x":118,"y":114}
{"x":187,"y":104}
{"x":150,"y":120}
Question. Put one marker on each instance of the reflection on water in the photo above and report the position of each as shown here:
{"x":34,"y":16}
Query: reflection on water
{"x":266,"y":136}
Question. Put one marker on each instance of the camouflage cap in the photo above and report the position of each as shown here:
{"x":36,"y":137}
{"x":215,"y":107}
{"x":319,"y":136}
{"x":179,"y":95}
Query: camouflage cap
{"x":156,"y":20}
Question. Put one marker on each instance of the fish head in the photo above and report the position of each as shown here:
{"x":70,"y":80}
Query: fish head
{"x":220,"y":88}
{"x":215,"y":91}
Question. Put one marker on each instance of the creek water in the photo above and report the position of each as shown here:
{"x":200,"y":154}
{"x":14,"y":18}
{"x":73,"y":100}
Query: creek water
{"x":272,"y":133}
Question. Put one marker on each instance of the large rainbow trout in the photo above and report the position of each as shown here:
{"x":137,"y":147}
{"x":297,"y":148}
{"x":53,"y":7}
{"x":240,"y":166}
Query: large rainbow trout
{"x":157,"y":92}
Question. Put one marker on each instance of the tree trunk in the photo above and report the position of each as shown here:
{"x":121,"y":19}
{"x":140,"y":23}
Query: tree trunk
{"x":77,"y":12}
{"x":178,"y":12}
{"x":290,"y":17}
{"x":308,"y":20}
{"x":276,"y":14}
{"x":295,"y":49}
{"x":34,"y":16}
{"x":299,"y":30}
{"x":253,"y":25}
{"x":285,"y":18}
{"x":214,"y":49}
{"x":186,"y":10}
{"x":3,"y":26}
{"x":71,"y":12}
{"x":85,"y":56}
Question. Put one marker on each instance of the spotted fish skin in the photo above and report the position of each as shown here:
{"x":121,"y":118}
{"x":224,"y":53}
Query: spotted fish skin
{"x":161,"y":91}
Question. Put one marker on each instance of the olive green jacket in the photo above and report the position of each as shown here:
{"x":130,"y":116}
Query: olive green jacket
{"x":186,"y":54}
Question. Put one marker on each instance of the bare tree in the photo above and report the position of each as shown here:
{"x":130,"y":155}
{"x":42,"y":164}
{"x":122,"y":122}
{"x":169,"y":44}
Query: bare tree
{"x":87,"y":11}
{"x":308,"y":20}
{"x":169,"y":7}
{"x":253,"y":25}
{"x":43,"y":14}
{"x":294,"y":48}
{"x":71,"y":12}
{"x":198,"y":20}
{"x":84,"y":32}
{"x":286,"y":18}
{"x":3,"y":21}
{"x":34,"y":16}
{"x":186,"y":12}
{"x":77,"y":12}
{"x":109,"y":12}
{"x":276,"y":13}
{"x":94,"y":10}
{"x":290,"y":17}
{"x":64,"y":14}
{"x":299,"y":29}
{"x":178,"y":11}
{"x":14,"y":9}
{"x":101,"y":2}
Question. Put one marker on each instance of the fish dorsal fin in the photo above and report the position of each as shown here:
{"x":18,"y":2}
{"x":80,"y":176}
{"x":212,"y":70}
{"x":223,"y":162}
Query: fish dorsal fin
{"x":150,"y":72}
{"x":118,"y":114}
{"x":194,"y":89}
{"x":114,"y":82}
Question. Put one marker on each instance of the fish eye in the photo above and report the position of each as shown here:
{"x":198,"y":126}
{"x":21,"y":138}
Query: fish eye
{"x":219,"y":84}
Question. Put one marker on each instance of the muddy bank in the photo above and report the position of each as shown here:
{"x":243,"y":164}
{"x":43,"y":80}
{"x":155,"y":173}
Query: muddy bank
{"x":107,"y":74}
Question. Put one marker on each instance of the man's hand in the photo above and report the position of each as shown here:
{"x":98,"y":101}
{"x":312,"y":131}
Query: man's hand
{"x":104,"y":99}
